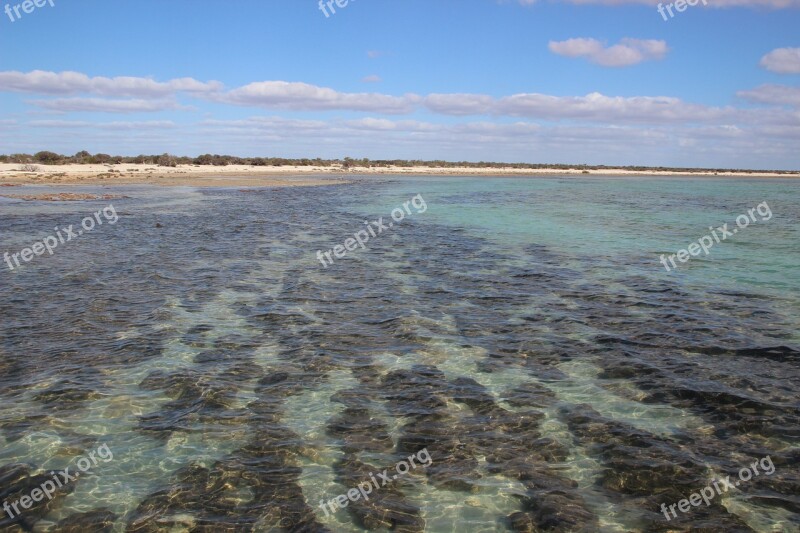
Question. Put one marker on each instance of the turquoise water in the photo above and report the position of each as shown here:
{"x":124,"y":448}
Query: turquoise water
{"x":523,"y":331}
{"x":631,"y":219}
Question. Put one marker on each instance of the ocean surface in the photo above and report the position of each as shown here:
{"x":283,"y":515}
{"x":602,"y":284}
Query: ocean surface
{"x":522,"y":331}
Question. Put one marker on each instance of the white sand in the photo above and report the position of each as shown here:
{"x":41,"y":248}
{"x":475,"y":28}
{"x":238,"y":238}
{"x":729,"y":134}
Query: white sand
{"x":246,"y":175}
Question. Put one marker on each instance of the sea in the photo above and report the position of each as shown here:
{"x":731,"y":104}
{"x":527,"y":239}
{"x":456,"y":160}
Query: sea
{"x":527,"y":340}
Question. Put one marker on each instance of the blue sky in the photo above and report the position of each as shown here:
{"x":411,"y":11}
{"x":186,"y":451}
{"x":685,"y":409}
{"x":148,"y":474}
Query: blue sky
{"x":590,"y":81}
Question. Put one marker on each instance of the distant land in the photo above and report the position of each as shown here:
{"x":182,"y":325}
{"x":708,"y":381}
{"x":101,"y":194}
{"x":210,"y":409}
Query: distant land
{"x":84,"y":168}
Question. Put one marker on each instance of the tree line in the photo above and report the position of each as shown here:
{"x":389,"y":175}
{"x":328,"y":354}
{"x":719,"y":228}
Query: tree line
{"x":169,"y":160}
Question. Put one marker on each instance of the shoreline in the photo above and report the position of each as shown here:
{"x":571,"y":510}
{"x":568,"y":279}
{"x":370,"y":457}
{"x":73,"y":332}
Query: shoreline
{"x":299,"y":176}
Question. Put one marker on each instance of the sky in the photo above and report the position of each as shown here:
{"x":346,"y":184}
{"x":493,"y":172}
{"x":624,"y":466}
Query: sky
{"x":613,"y":82}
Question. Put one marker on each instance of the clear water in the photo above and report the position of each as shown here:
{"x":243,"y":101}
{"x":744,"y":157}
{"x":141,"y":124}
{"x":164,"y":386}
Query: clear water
{"x":522,"y":330}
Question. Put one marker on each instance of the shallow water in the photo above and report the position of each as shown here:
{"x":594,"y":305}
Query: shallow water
{"x":523,"y":331}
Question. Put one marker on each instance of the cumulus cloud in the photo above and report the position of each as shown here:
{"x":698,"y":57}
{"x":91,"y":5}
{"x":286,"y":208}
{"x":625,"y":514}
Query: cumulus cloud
{"x":303,"y":96}
{"x":628,"y":52}
{"x":782,"y":61}
{"x":68,"y":83}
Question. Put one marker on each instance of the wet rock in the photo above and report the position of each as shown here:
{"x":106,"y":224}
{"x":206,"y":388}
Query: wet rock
{"x":560,"y":513}
{"x":415,"y":392}
{"x":432,"y":433}
{"x":353,"y":398}
{"x":66,"y":395}
{"x":525,"y":422}
{"x":530,"y":394}
{"x":133,"y":351}
{"x":99,"y":520}
{"x":174,"y":384}
{"x":647,"y":469}
{"x":281,"y":383}
{"x":195,"y":336}
{"x":214,"y":357}
{"x":360,"y":431}
{"x":470,"y":392}
{"x":149,"y":516}
{"x":12,"y":474}
{"x":243,"y":370}
{"x":783,"y":354}
{"x":193,"y":492}
{"x":279,"y":317}
{"x":520,"y":522}
{"x":21,"y":483}
{"x":17,"y":427}
{"x":458,"y":471}
{"x":386,"y":507}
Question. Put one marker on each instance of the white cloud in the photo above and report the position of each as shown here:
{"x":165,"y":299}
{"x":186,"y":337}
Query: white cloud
{"x":773,"y":95}
{"x":304,"y":96}
{"x":460,"y":104}
{"x":612,"y":109}
{"x":374,"y":78}
{"x":117,"y":125}
{"x":67,"y":83}
{"x":593,"y":107}
{"x":632,"y":129}
{"x":103,"y":105}
{"x":628,"y":52}
{"x":782,"y":61}
{"x":294,"y":96}
{"x":369,"y":123}
{"x":261,"y":123}
{"x":744,"y":146}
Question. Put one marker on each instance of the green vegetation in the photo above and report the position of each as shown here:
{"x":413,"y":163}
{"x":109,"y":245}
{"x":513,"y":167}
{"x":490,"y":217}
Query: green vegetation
{"x":168,"y":160}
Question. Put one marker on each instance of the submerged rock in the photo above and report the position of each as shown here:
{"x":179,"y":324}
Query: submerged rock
{"x":99,"y":520}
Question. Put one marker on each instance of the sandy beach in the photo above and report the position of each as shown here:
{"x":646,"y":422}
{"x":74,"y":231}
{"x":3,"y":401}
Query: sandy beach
{"x":288,"y":176}
{"x":185,"y":175}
